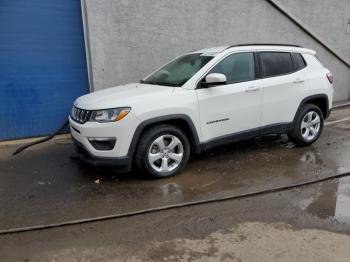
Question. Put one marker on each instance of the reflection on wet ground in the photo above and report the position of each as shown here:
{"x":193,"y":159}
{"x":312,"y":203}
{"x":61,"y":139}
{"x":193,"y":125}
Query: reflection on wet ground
{"x":43,"y":185}
{"x":330,"y":201}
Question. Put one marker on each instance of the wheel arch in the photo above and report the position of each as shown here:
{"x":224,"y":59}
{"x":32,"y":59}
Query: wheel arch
{"x":320,"y":100}
{"x":181,"y":121}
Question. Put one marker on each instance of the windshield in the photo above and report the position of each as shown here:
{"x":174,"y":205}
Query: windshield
{"x":179,"y":71}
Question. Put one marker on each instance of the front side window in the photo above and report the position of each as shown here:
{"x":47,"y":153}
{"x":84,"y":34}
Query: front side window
{"x":276,"y":63}
{"x":179,"y":71}
{"x":238,"y":67}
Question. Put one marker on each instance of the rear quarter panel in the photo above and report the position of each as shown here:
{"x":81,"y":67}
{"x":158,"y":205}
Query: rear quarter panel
{"x":316,"y":77}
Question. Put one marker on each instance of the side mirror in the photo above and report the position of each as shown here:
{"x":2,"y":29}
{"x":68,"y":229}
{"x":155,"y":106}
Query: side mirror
{"x":214,"y":79}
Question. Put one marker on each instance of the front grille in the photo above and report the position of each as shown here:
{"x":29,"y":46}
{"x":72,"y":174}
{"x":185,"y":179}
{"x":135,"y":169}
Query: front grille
{"x":80,"y":115}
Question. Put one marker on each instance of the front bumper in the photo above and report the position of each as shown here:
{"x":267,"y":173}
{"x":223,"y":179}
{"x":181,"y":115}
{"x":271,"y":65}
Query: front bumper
{"x":122,"y":132}
{"x":118,"y":154}
{"x":123,"y":163}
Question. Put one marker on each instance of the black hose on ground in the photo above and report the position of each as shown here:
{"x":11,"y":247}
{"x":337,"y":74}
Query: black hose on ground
{"x":21,"y":148}
{"x":162,"y":208}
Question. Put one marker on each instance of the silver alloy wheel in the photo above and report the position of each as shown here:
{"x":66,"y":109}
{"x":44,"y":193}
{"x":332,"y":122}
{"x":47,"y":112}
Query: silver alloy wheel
{"x":165,"y":153}
{"x":310,"y":125}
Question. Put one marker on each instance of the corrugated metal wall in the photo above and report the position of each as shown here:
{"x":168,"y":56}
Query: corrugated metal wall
{"x":42,"y":65}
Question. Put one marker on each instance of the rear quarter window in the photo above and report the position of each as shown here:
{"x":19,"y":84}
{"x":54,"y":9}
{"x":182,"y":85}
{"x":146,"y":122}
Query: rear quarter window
{"x":298,"y":61}
{"x":275,"y":63}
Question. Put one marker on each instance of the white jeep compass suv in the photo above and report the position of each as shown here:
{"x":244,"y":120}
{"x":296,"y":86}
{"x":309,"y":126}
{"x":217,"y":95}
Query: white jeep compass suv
{"x":203,"y":99}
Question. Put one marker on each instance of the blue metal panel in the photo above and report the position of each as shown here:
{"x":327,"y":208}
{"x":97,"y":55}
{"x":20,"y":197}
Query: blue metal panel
{"x":42,"y":65}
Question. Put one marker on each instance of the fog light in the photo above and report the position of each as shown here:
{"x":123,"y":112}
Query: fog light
{"x":102,"y":143}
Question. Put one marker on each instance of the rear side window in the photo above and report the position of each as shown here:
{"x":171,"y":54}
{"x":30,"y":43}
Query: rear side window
{"x":276,"y":63}
{"x":298,"y":61}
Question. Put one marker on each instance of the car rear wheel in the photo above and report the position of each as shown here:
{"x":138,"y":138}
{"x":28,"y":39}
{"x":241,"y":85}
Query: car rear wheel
{"x":163,"y":151}
{"x":308,"y":125}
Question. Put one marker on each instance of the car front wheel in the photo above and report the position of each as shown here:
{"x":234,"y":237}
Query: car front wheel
{"x":163,"y":151}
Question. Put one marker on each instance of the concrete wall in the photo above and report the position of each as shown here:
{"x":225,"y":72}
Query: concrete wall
{"x":128,"y":39}
{"x":325,"y":18}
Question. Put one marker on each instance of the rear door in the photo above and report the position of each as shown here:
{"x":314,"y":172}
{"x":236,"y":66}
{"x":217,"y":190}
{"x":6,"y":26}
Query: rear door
{"x":284,"y":85}
{"x":234,"y":107}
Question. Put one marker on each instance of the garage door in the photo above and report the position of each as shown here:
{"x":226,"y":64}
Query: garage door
{"x":42,"y":65}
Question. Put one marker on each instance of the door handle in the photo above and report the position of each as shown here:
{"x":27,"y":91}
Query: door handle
{"x":298,"y":81}
{"x":252,"y":88}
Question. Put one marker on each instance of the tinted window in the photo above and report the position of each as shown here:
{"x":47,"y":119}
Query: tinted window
{"x":276,"y":63}
{"x":298,"y":61}
{"x":237,"y":68}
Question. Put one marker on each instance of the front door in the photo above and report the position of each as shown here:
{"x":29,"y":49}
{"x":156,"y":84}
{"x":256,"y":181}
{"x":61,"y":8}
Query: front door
{"x":234,"y":107}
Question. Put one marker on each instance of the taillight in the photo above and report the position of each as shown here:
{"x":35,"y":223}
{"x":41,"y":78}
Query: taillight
{"x":330,"y":77}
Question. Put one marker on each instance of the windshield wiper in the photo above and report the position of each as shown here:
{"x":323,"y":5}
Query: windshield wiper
{"x":159,"y":83}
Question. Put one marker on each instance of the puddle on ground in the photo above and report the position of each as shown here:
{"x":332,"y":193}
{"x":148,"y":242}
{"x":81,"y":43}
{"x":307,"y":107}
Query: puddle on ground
{"x":330,"y":201}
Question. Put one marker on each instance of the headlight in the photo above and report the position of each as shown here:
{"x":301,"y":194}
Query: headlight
{"x":109,"y":115}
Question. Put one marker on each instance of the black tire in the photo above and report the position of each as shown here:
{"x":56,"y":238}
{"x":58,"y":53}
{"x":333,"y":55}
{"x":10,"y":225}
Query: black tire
{"x":147,"y":140}
{"x":296,"y":134}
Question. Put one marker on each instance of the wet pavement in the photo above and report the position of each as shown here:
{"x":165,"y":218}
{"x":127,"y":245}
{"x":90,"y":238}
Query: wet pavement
{"x":43,"y":185}
{"x":305,"y":224}
{"x":311,"y":223}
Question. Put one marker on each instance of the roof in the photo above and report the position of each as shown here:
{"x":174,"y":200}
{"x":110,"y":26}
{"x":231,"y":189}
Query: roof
{"x":212,"y":51}
{"x":265,"y":44}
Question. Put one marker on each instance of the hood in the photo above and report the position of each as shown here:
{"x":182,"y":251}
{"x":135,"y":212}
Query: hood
{"x":120,"y":96}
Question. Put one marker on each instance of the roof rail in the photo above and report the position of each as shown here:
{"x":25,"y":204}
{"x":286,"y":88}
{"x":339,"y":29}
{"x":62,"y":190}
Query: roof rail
{"x":270,"y":44}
